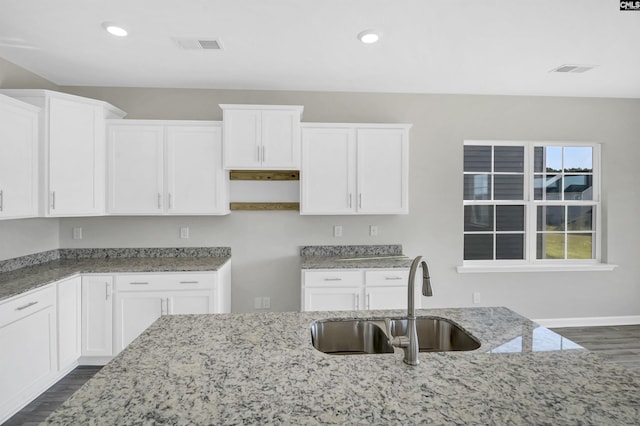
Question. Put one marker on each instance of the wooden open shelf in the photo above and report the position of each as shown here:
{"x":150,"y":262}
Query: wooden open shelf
{"x":264,"y":175}
{"x":264,"y":206}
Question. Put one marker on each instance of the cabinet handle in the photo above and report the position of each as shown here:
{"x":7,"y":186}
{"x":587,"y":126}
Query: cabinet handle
{"x":350,"y":200}
{"x":189,"y":282}
{"x":1,"y":200}
{"x":360,"y":200}
{"x":333,"y":279}
{"x":106,"y":291}
{"x":159,"y":200}
{"x":170,"y":201}
{"x":368,"y":301}
{"x":392,"y":278}
{"x":357,"y":302}
{"x":28,"y":305}
{"x":138,"y":282}
{"x":53,"y":200}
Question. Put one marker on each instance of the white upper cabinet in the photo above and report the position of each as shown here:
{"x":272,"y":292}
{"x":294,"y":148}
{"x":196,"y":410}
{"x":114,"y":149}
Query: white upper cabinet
{"x":196,"y":180}
{"x":383,"y":171}
{"x":261,"y":136}
{"x":354,"y":169}
{"x":328,"y":171}
{"x":165,"y":167}
{"x":71,"y":132}
{"x":18,"y":159}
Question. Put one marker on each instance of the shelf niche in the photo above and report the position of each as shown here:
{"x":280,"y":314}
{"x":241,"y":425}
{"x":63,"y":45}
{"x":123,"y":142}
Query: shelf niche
{"x":256,"y":189}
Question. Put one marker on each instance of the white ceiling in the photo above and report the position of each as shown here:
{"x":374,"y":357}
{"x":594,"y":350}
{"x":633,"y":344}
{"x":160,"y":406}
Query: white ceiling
{"x":427,"y":46}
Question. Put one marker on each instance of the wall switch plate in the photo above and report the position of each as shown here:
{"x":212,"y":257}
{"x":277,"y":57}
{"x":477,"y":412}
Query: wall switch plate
{"x":77,"y":233}
{"x":184,"y":232}
{"x":337,"y":231}
{"x":266,"y":303}
{"x":476,"y":297}
{"x":373,"y":230}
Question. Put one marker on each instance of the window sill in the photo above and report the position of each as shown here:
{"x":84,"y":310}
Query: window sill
{"x":472,"y":269}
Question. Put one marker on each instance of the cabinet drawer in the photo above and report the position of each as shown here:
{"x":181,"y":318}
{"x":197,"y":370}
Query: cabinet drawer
{"x":23,"y":306}
{"x":144,"y":282}
{"x":332,"y":278}
{"x":387,"y":277}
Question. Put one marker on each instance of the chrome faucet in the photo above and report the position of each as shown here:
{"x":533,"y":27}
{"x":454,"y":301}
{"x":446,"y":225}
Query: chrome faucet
{"x":409,"y":342}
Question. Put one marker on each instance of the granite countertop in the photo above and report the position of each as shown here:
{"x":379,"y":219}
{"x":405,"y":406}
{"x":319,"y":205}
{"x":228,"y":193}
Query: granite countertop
{"x":354,"y":257}
{"x":263,"y":369}
{"x":27,"y":278}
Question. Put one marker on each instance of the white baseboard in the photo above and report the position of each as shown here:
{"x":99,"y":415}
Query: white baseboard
{"x":94,"y":360}
{"x":588,"y":321}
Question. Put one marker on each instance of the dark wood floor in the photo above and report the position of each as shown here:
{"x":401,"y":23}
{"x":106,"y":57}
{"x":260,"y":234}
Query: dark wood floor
{"x":618,"y":344}
{"x":40,"y":408}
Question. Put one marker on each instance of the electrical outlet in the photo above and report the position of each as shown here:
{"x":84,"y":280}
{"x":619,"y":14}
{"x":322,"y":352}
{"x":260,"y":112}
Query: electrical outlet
{"x":476,"y":297}
{"x":184,"y":232}
{"x":337,"y":231}
{"x":373,"y":230}
{"x":257,"y":303}
{"x":266,"y":303}
{"x":77,"y":233}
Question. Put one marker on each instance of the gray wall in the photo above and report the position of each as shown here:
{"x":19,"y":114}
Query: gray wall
{"x":265,"y":244}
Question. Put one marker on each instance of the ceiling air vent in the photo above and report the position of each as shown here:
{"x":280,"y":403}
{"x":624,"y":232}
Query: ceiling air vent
{"x":198,"y":43}
{"x":573,"y":68}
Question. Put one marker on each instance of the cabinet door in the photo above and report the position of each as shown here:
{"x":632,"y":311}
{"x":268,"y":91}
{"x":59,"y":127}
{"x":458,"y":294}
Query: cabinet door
{"x":242,"y":133}
{"x":135,"y":169}
{"x":191,"y":302}
{"x":28,"y":349}
{"x":135,"y":311}
{"x":281,"y":139}
{"x":391,"y":297}
{"x":328,"y":171}
{"x":332,"y":298}
{"x":382,"y":171}
{"x":75,"y":151}
{"x":69,"y":312}
{"x":18,"y":160}
{"x":196,"y":182}
{"x":97,"y":315}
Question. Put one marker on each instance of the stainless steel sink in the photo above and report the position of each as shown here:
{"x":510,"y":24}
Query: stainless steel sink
{"x":436,"y":334}
{"x":349,"y":337}
{"x":373,"y":336}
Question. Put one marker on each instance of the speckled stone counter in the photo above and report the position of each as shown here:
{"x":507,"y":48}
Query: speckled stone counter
{"x":97,"y":261}
{"x":263,"y":369}
{"x":354,"y":257}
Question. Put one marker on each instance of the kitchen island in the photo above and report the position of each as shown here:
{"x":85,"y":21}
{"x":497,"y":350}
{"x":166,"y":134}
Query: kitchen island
{"x":263,"y":369}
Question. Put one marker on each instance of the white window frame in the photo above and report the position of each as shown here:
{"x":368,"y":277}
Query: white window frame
{"x":530,"y":263}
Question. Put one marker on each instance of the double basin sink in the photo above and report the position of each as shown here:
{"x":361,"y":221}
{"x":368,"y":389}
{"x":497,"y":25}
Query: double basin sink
{"x":374,"y":335}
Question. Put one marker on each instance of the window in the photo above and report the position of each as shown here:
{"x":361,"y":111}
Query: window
{"x":531,"y":203}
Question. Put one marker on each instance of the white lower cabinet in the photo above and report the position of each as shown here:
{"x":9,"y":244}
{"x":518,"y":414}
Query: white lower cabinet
{"x":332,"y":298}
{"x":68,"y":321}
{"x":28,"y":358}
{"x":88,"y":319}
{"x":97,"y":319}
{"x":140,"y":299}
{"x":355,"y":289}
{"x":134,"y":312}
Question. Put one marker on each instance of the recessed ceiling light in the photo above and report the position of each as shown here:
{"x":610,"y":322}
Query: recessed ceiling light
{"x":573,"y":68}
{"x":114,"y":29}
{"x":369,"y":36}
